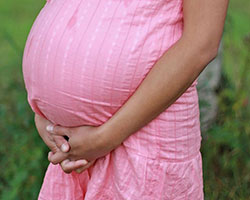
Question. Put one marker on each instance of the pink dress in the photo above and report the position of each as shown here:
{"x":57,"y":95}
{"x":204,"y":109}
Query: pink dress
{"x":83,"y":59}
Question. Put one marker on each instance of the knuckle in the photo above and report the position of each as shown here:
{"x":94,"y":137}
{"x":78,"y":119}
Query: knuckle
{"x":53,"y":162}
{"x":57,"y":130}
{"x":54,"y":129}
{"x":53,"y":148}
{"x":66,"y":169}
{"x":63,"y":167}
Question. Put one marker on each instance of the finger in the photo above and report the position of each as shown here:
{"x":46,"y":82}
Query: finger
{"x":57,"y":142}
{"x":49,"y":141}
{"x":58,"y":157}
{"x":81,"y":169}
{"x":58,"y":130}
{"x":69,"y":166}
{"x":63,"y":163}
{"x":50,"y":128}
{"x":61,"y":143}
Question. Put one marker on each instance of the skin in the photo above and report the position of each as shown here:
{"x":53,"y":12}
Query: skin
{"x":174,"y":72}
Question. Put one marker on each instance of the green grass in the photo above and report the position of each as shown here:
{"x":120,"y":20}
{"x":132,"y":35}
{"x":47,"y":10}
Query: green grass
{"x":225,"y":149}
{"x":226,"y":156}
{"x":22,"y":154}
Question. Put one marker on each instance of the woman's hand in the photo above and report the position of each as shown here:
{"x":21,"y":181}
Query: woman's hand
{"x":86,"y":142}
{"x":57,"y":143}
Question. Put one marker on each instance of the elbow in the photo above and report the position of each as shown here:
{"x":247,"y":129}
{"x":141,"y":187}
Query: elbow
{"x":213,"y":51}
{"x":209,"y":50}
{"x":205,"y":44}
{"x":204,"y":48}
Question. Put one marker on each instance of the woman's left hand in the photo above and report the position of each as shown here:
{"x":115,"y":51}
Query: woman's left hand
{"x":86,"y":142}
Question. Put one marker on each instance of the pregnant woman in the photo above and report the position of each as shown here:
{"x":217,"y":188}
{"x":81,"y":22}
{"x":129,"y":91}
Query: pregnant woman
{"x":116,"y":82}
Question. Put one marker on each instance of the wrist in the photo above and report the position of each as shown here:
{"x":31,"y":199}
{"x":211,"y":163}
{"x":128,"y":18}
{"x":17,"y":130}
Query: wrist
{"x":108,"y":137}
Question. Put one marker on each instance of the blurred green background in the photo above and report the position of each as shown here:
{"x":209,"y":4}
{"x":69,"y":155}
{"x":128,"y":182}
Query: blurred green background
{"x":225,"y":146}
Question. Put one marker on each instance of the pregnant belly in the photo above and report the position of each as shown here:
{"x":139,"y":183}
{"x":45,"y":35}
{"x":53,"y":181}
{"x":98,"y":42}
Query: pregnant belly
{"x":83,"y":61}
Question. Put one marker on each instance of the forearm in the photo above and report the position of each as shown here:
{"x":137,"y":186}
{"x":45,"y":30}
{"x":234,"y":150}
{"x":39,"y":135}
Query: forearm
{"x":174,"y":72}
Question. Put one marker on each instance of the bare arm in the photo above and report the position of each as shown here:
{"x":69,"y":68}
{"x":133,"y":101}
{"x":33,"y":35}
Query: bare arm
{"x":175,"y":70}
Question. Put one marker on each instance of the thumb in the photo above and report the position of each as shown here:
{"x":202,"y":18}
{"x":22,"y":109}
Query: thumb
{"x":61,"y":143}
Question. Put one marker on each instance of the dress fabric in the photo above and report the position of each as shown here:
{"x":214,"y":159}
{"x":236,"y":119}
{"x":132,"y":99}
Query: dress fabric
{"x":82,"y":60}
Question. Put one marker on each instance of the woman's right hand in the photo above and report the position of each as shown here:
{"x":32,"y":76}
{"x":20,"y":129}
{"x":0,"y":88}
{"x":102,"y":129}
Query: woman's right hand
{"x":58,"y":143}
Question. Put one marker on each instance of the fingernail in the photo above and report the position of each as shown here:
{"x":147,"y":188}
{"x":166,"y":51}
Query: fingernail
{"x":84,"y":162}
{"x":64,"y":148}
{"x":50,"y":128}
